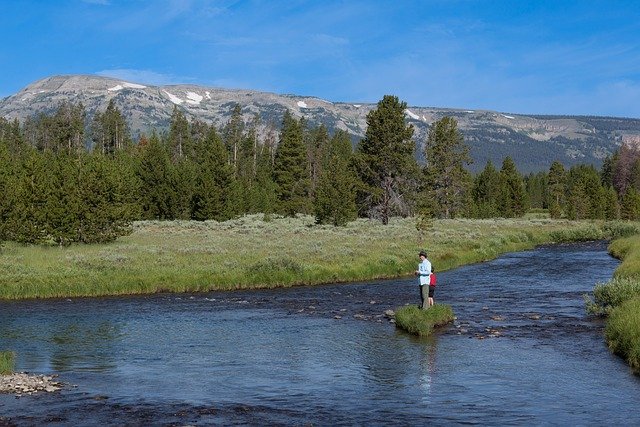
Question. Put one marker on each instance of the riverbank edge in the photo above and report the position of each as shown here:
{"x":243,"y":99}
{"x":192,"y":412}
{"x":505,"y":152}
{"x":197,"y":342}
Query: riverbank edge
{"x":622,"y":330}
{"x":389,"y":260}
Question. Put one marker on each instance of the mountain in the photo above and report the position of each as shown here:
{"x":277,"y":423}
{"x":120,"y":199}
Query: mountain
{"x":532,"y":141}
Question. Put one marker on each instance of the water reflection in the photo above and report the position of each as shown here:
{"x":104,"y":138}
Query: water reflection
{"x":84,"y":346}
{"x":428,"y":367}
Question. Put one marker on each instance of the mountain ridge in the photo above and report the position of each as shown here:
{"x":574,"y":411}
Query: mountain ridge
{"x":533,"y":141}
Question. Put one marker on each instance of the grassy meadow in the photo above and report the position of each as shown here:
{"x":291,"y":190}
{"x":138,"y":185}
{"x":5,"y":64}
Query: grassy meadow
{"x":422,"y":322}
{"x":620,"y":300}
{"x":191,"y":256}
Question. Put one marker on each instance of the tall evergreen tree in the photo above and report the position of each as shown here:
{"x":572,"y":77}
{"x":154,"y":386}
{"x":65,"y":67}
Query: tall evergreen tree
{"x":27,"y":222}
{"x":157,"y":192}
{"x":110,"y":130}
{"x":630,"y":206}
{"x":385,"y":158}
{"x":585,"y":193}
{"x":486,"y":192}
{"x":607,"y":169}
{"x":290,"y":169}
{"x":447,"y":182}
{"x":317,"y":147}
{"x":513,"y":200}
{"x":213,"y":183}
{"x":557,"y":187}
{"x":265,"y":192}
{"x":611,"y":204}
{"x":335,"y":200}
{"x":179,"y":138}
{"x":536,"y":188}
{"x":233,"y":134}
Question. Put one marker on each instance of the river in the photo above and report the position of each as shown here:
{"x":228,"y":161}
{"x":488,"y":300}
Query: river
{"x":522,"y":351}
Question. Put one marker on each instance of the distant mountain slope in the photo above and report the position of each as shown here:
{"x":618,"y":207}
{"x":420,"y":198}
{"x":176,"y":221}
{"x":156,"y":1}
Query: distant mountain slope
{"x":532,"y":141}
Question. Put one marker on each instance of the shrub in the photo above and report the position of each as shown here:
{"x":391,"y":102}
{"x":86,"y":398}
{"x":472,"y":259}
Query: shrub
{"x":7,"y":362}
{"x":618,"y":229}
{"x":607,"y":296}
{"x":422,"y":322}
{"x":588,"y":232}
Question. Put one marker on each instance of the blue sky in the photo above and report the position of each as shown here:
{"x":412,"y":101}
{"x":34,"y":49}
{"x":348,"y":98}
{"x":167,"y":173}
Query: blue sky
{"x":545,"y":57}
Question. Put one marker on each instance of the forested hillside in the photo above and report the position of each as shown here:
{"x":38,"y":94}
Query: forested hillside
{"x":57,"y":189}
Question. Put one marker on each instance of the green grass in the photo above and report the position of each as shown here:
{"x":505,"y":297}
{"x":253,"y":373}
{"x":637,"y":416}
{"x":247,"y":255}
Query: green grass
{"x":623,"y":332}
{"x":7,"y":362}
{"x":620,"y":300}
{"x":191,"y":256}
{"x":422,"y":322}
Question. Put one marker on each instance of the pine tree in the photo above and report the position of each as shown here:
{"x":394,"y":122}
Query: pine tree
{"x":213,"y":183}
{"x":265,"y":192}
{"x":536,"y":189}
{"x":557,"y":185}
{"x":486,"y":192}
{"x":317,"y":147}
{"x":447,"y":182}
{"x":513,"y":200}
{"x":27,"y":220}
{"x":106,"y":207}
{"x":155,"y":172}
{"x":385,"y":159}
{"x":233,"y":135}
{"x":290,"y":169}
{"x":246,"y":168}
{"x":630,"y":206}
{"x":612,"y":206}
{"x":110,"y":131}
{"x":585,"y":193}
{"x":179,"y":138}
{"x":335,"y":200}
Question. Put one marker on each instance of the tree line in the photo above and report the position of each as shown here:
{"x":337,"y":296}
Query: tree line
{"x":67,"y":178}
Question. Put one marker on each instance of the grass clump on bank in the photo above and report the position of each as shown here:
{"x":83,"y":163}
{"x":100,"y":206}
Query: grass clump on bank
{"x":7,"y":362}
{"x":623,"y":332}
{"x":248,"y":252}
{"x":422,"y":322}
{"x":620,"y":300}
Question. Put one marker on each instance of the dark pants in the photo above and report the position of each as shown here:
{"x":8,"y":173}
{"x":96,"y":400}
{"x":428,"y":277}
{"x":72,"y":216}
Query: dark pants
{"x":424,"y":296}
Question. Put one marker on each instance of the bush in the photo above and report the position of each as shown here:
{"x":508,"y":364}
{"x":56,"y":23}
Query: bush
{"x":623,"y":332}
{"x":618,"y":229}
{"x":607,"y":296}
{"x":582,"y":234}
{"x":7,"y":362}
{"x":422,"y":322}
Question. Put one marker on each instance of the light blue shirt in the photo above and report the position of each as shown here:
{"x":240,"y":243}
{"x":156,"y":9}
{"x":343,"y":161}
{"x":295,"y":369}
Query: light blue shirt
{"x":424,"y":271}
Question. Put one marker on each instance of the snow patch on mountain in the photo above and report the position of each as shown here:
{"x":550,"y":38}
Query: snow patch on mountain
{"x":174,"y":98}
{"x":412,"y":115}
{"x":507,"y":117}
{"x":302,"y":104}
{"x":194,"y":98}
{"x":123,"y":85}
{"x":208,"y":94}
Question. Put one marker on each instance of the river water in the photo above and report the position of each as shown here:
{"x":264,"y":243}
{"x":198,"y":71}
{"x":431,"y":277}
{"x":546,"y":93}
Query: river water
{"x":522,"y":351}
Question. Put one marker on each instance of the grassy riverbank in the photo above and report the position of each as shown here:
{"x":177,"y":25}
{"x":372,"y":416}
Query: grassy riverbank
{"x":7,"y":362}
{"x":620,"y":300}
{"x":248,"y":252}
{"x":422,"y":322}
